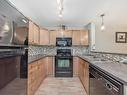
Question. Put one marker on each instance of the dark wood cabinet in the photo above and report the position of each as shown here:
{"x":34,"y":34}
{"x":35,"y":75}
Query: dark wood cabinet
{"x":8,"y":70}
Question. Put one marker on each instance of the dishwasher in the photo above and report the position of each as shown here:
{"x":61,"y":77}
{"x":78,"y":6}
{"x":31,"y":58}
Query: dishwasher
{"x":103,"y":84}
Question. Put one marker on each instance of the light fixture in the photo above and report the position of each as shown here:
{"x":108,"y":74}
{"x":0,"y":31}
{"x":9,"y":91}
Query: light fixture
{"x":60,"y":8}
{"x":58,"y":1}
{"x":24,"y":20}
{"x":102,"y":24}
{"x":6,"y":27}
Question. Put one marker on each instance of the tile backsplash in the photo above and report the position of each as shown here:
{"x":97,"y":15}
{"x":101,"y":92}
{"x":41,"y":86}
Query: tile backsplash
{"x":51,"y":50}
{"x":76,"y":50}
{"x":111,"y":56}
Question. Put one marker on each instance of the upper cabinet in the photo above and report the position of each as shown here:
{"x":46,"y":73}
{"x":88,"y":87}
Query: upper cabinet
{"x":76,"y":37}
{"x":84,"y":37}
{"x":52,"y":37}
{"x":36,"y":34}
{"x":44,"y":37}
{"x":33,"y":33}
{"x":66,"y":33}
{"x":80,"y":37}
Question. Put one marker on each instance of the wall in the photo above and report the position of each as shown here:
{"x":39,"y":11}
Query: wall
{"x":105,"y":41}
{"x":91,"y":29}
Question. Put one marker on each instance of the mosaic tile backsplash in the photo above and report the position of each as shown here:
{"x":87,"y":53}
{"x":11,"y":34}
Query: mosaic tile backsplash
{"x":122,"y":58}
{"x":76,"y":50}
{"x":51,"y":50}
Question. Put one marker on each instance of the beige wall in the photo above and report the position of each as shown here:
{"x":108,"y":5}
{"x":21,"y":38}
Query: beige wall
{"x":105,"y":41}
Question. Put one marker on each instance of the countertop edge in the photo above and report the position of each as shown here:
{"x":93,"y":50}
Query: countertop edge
{"x":82,"y":57}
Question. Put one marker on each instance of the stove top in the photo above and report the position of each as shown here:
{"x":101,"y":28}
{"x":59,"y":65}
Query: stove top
{"x":64,"y":52}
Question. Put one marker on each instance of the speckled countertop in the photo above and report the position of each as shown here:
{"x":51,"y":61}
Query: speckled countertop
{"x":116,"y":70}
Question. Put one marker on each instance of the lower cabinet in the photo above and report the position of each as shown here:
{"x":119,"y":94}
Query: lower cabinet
{"x":84,"y":74}
{"x":36,"y":74}
{"x":9,"y":70}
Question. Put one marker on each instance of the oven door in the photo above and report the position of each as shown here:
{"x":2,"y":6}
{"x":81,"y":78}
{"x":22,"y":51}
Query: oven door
{"x":63,"y":66}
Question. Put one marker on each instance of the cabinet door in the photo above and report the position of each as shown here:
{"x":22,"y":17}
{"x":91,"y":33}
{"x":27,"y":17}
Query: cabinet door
{"x":84,"y":37}
{"x":50,"y":66}
{"x":53,"y":35}
{"x":67,"y":33}
{"x":36,"y":34}
{"x":86,"y":76}
{"x":44,"y":37}
{"x":64,"y":33}
{"x":59,"y":33}
{"x":75,"y":66}
{"x":76,"y":37}
{"x":31,"y":32}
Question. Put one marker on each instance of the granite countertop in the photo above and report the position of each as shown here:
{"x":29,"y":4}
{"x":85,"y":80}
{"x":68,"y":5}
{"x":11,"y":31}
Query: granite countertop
{"x":37,"y":57}
{"x":114,"y":69}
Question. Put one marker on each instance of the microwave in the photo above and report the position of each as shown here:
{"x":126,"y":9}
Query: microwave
{"x":64,"y":42}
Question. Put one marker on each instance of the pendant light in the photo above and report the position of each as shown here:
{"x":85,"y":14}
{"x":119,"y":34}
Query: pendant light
{"x":102,"y":24}
{"x":60,"y":8}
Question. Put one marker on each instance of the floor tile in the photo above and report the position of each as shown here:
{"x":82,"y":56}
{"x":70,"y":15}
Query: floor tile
{"x":61,"y":86}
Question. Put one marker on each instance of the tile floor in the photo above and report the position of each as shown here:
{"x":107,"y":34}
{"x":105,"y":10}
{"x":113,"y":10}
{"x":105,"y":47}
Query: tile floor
{"x":16,"y":87}
{"x":61,"y":86}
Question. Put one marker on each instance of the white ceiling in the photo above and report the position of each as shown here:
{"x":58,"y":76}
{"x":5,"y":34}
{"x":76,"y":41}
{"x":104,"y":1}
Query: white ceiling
{"x":77,"y":13}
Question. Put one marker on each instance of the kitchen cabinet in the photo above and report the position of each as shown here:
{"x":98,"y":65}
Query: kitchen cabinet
{"x":37,"y":72}
{"x":64,"y":33}
{"x":75,"y":66}
{"x":53,"y":35}
{"x":50,"y":69}
{"x":68,"y":33}
{"x":83,"y":69}
{"x":33,"y":33}
{"x":84,"y":37}
{"x":76,"y":37}
{"x":8,"y":70}
{"x":36,"y":34}
{"x":44,"y":37}
{"x":80,"y":37}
